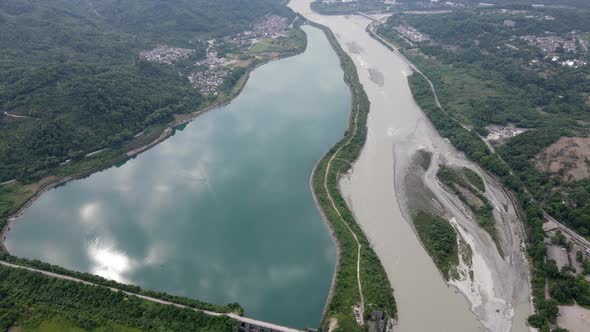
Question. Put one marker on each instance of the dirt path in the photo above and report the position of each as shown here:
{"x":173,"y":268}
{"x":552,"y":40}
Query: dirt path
{"x":358,"y":244}
{"x":265,"y":325}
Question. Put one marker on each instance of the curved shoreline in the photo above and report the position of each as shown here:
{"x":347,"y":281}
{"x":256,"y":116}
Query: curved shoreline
{"x":493,"y":181}
{"x":185,"y":118}
{"x":166,"y":132}
{"x":362,"y":286}
{"x":332,"y":234}
{"x":313,"y":173}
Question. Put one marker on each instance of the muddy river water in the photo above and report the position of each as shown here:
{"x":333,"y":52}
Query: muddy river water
{"x":497,"y":298}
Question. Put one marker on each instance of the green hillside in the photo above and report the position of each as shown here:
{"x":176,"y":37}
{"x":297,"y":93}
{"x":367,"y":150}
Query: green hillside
{"x":71,"y":69}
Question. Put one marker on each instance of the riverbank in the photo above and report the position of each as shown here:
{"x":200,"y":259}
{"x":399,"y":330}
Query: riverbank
{"x":359,"y":279}
{"x":509,"y":227}
{"x":390,"y":235}
{"x":397,"y":129}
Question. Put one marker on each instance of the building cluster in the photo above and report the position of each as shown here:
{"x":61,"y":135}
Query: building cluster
{"x":412,"y":34}
{"x":440,"y":4}
{"x":208,"y":81}
{"x":500,"y":133}
{"x":269,"y":26}
{"x":551,"y":45}
{"x":560,"y":50}
{"x":166,"y":54}
{"x":212,"y":60}
{"x":575,"y":63}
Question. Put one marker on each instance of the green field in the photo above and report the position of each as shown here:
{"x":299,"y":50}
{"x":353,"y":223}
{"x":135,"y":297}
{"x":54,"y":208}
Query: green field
{"x":295,"y":40}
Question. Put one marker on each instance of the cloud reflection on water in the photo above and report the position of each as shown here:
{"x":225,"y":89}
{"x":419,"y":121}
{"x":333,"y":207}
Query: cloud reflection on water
{"x":220,"y":211}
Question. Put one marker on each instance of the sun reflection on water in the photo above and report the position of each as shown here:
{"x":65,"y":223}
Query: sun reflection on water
{"x":108,"y":262}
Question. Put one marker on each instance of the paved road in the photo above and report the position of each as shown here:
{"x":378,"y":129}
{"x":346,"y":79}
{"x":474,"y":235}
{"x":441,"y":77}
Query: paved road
{"x":270,"y":326}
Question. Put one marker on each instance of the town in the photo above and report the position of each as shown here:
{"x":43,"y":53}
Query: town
{"x":552,"y":44}
{"x":269,"y":27}
{"x":208,"y":74}
{"x":566,"y":52}
{"x":208,"y":81}
{"x":166,"y":54}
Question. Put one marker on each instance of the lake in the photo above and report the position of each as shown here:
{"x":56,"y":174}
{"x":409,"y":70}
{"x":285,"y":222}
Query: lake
{"x":221,"y":211}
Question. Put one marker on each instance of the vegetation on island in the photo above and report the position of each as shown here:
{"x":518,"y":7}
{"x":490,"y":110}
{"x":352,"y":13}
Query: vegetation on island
{"x":474,"y":179}
{"x":486,"y":73}
{"x":440,"y":240}
{"x":487,"y":70}
{"x":459,"y":182}
{"x":376,"y":288}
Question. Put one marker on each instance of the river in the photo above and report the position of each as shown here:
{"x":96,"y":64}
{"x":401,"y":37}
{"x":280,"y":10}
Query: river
{"x":497,"y":299}
{"x":221,"y":211}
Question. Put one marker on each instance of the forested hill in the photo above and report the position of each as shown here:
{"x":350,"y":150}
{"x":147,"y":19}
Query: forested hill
{"x":72,"y":80}
{"x":184,"y":19}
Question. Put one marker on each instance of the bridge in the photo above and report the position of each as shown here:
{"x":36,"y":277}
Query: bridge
{"x":368,"y":16}
{"x":245,"y":324}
